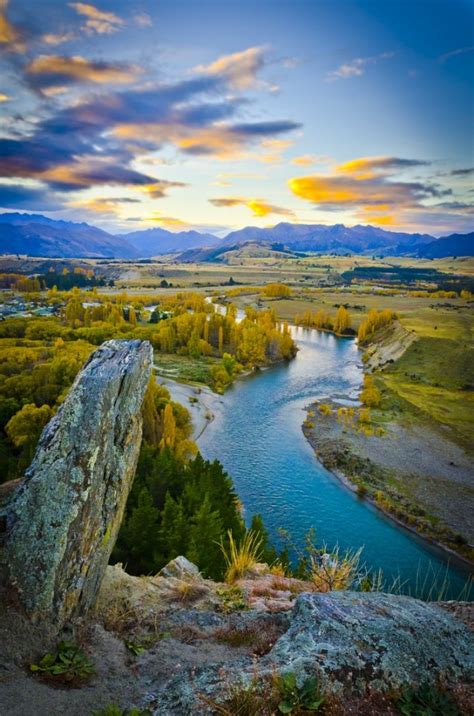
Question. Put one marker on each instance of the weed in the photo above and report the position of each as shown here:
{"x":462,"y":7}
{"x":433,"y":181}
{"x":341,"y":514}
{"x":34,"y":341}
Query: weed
{"x":232,"y":599}
{"x":257,"y":698}
{"x":426,"y":701}
{"x":243,"y":556}
{"x":113,"y":710}
{"x":294,"y":698}
{"x":68,"y":665}
{"x":259,"y":636}
{"x":188,"y":591}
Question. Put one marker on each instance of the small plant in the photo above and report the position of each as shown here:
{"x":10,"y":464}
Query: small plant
{"x":294,"y":698}
{"x":241,"y":557}
{"x":113,"y":710}
{"x":254,"y":699}
{"x":188,"y":591}
{"x":134,"y":647}
{"x":67,"y":665}
{"x":278,"y":569}
{"x":426,"y":701}
{"x":232,"y":599}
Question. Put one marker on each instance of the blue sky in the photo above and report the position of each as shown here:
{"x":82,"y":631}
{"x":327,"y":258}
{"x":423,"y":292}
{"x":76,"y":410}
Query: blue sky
{"x":216,"y":115}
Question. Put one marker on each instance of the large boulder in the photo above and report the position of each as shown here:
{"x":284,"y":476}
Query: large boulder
{"x":352,"y":642}
{"x":386,"y":640}
{"x":63,"y":519}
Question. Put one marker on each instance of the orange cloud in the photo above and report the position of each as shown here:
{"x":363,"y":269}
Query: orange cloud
{"x":170,"y":221}
{"x":107,"y":205}
{"x":52,"y":71}
{"x":4,"y":97}
{"x":258,"y":207}
{"x":239,"y":69}
{"x":367,"y":185}
{"x":323,"y":190}
{"x":98,"y":21}
{"x":303,"y":161}
{"x":9,"y":35}
{"x":368,"y":167}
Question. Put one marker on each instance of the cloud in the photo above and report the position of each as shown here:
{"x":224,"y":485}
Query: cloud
{"x":98,"y":139}
{"x":98,"y":21}
{"x":4,"y":97}
{"x":58,"y":39}
{"x":240,"y":69}
{"x":84,"y":173}
{"x":57,"y":71}
{"x":462,"y":172}
{"x":10,"y":36}
{"x":455,"y":53}
{"x":368,"y":187}
{"x":170,"y":221}
{"x":258,"y":207}
{"x":356,"y":67}
{"x":16,"y":196}
{"x":107,"y":205}
{"x":303,"y":161}
{"x":142,"y":20}
{"x":367,"y":167}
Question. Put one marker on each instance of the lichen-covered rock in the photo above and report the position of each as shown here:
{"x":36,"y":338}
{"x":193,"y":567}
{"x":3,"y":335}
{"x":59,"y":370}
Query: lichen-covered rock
{"x":180,"y":568}
{"x":350,"y":641}
{"x":387,"y":640}
{"x":62,"y":521}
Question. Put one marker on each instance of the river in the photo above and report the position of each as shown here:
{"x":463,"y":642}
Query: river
{"x":258,"y":438}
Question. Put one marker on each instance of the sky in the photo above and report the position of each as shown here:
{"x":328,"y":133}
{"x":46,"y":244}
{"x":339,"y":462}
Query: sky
{"x":207,"y":115}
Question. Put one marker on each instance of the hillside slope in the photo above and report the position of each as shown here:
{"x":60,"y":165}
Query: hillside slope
{"x":37,"y":235}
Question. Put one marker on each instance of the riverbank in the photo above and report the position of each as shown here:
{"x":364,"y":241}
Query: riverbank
{"x":200,"y":400}
{"x":412,"y":474}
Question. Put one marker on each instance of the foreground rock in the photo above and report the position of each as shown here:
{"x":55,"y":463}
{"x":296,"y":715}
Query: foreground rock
{"x":62,"y":521}
{"x":353,"y":643}
{"x":183,"y":645}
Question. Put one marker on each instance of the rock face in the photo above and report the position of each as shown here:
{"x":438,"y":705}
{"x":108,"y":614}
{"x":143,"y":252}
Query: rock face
{"x":385,"y":639}
{"x":63,"y":520}
{"x":351,"y":641}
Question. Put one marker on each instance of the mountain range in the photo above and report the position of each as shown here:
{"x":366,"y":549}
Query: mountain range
{"x":37,"y":235}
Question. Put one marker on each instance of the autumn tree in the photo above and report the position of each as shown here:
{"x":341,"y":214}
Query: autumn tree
{"x":342,"y":321}
{"x":169,"y":428}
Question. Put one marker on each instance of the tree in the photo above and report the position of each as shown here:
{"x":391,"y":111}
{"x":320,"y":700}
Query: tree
{"x":342,"y":321}
{"x":174,"y":532}
{"x":25,"y":427}
{"x":370,"y":395}
{"x":169,"y":428}
{"x":207,"y":529}
{"x":140,"y":536}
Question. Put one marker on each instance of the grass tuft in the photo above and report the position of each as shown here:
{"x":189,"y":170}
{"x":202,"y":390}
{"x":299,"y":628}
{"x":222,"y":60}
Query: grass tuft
{"x":241,"y":557}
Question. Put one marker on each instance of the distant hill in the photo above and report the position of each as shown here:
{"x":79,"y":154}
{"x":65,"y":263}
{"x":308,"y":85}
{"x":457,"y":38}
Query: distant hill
{"x":453,"y":245}
{"x":36,"y":235}
{"x":228,"y":254}
{"x":159,"y":241}
{"x":331,"y":239}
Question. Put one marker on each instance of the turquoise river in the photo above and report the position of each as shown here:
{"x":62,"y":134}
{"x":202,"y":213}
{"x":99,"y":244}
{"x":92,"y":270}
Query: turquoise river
{"x":257,"y":436}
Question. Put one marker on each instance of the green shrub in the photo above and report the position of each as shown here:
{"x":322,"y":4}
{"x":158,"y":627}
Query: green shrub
{"x":67,"y":665}
{"x":294,"y":698}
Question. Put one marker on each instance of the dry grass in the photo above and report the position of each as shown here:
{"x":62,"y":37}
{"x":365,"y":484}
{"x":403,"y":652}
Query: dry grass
{"x":119,"y":617}
{"x":259,"y":637}
{"x":241,"y":557}
{"x":329,"y":572}
{"x":188,"y":591}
